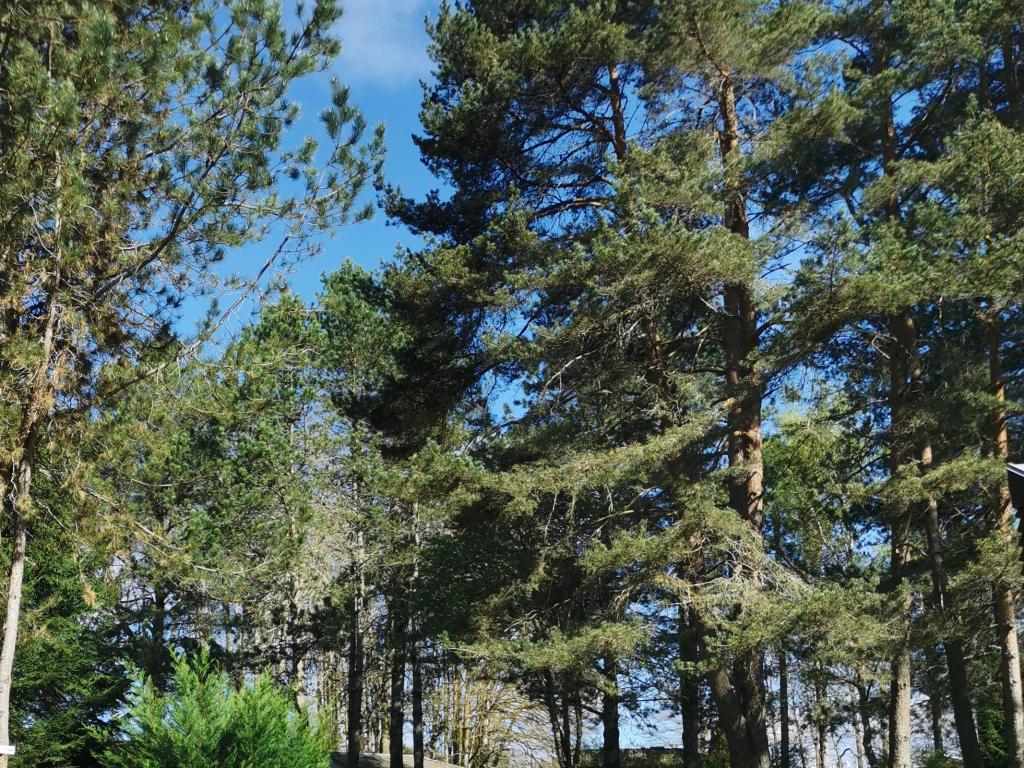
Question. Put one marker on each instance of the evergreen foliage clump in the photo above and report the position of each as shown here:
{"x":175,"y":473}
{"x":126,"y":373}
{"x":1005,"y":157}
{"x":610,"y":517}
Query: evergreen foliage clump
{"x":205,"y":721}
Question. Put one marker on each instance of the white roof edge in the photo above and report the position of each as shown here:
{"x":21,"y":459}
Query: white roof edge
{"x":1017,"y":469}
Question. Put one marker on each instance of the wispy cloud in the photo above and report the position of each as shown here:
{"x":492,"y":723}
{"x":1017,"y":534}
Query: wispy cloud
{"x":384,"y":42}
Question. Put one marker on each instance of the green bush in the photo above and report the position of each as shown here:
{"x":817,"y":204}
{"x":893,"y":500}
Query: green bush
{"x":204,"y":721}
{"x":992,"y":732}
{"x":938,"y":760}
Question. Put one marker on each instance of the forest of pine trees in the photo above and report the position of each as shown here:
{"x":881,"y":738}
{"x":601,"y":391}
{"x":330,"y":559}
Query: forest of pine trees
{"x":684,"y":424}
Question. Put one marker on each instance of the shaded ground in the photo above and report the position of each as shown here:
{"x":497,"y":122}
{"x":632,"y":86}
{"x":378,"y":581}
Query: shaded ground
{"x":381,"y":760}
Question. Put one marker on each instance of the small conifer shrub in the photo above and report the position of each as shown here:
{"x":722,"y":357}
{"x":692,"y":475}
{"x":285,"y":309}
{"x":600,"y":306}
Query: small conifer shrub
{"x":205,"y":721}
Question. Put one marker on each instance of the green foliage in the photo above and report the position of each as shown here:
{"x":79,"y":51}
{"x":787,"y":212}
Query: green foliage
{"x":672,"y":234}
{"x":206,"y":721}
{"x":937,"y":760}
{"x":70,"y":670}
{"x":992,"y":730}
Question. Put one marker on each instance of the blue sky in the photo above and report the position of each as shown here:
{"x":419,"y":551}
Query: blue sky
{"x":384,"y":58}
{"x":383,"y":61}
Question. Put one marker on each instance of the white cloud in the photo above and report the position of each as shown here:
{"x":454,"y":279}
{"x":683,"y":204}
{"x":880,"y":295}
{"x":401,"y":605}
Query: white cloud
{"x":384,"y":42}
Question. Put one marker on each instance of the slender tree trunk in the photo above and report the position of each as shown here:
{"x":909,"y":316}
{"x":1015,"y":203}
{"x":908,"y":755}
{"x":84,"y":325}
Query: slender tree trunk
{"x":1009,"y":672}
{"x":1006,"y":620}
{"x":935,"y":700}
{"x":577,"y":712}
{"x":801,"y":749}
{"x":354,"y":719}
{"x":416,"y":649}
{"x":820,"y":722}
{"x":610,"y":754}
{"x":396,"y":711}
{"x":689,"y":690}
{"x":293,"y":656}
{"x":858,"y":735}
{"x":784,"y":756}
{"x":1011,"y":82}
{"x":900,"y":687}
{"x":956,"y":664}
{"x":558,"y":715}
{"x":11,"y":627}
{"x":155,"y":662}
{"x":417,"y":706}
{"x":465,"y":748}
{"x":356,"y":662}
{"x":867,"y":724}
{"x":902,"y":370}
{"x":17,"y":503}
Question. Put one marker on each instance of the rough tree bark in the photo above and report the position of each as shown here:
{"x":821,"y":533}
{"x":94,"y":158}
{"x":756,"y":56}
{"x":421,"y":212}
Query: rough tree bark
{"x":744,"y":689}
{"x":902,"y":370}
{"x":417,"y":706}
{"x":784,"y":756}
{"x":17,"y":499}
{"x":356,"y":661}
{"x":1005,"y":615}
{"x":689,"y":690}
{"x":956,"y":663}
{"x":611,"y":757}
{"x":396,"y":708}
{"x":935,"y":699}
{"x":157,"y":651}
{"x":867,"y":722}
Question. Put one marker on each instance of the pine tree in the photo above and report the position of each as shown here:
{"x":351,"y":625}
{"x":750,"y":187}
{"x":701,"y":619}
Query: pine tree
{"x":138,"y":144}
{"x":883,"y":283}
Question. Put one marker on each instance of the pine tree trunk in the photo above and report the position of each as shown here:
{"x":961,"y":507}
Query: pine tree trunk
{"x":689,"y":690}
{"x":464,"y":746}
{"x":610,"y":755}
{"x":901,"y":372}
{"x":858,"y":736}
{"x":417,"y":707}
{"x":956,"y":664}
{"x":17,"y":503}
{"x":900,"y":687}
{"x":820,"y":722}
{"x":11,"y":626}
{"x":1009,"y":671}
{"x":732,"y":720}
{"x":577,"y":709}
{"x":155,"y":662}
{"x":356,"y":662}
{"x":1005,"y":616}
{"x":354,"y":724}
{"x":784,"y":756}
{"x":740,"y":339}
{"x":1011,"y":83}
{"x":867,"y":724}
{"x":748,"y":671}
{"x":935,"y":700}
{"x":396,"y":710}
{"x":417,"y":662}
{"x":558,"y":715}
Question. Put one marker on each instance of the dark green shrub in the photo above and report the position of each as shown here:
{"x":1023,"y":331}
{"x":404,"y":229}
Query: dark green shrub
{"x":204,"y":721}
{"x":938,"y":760}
